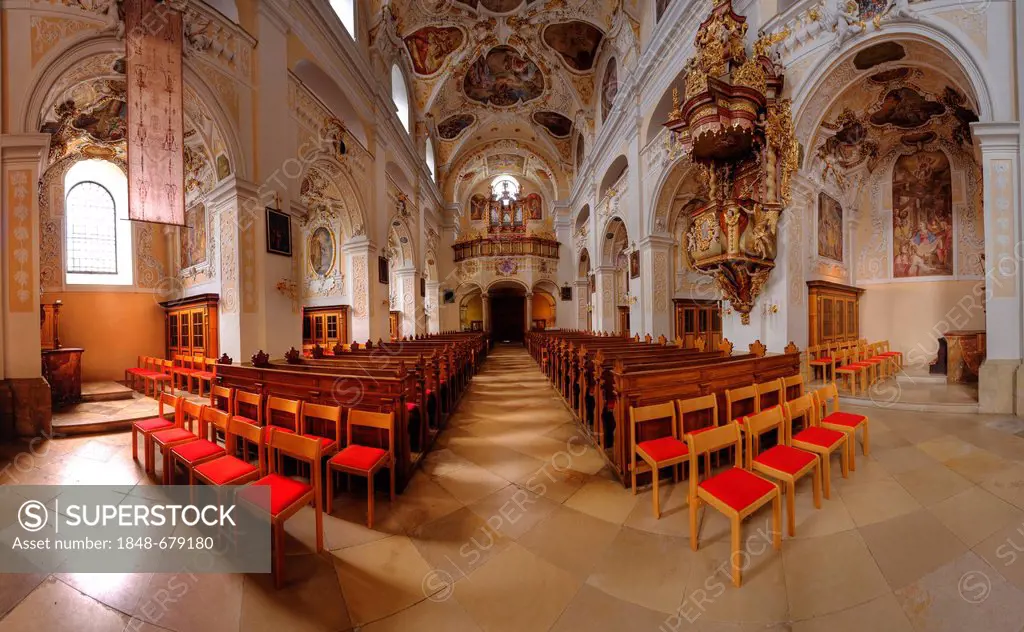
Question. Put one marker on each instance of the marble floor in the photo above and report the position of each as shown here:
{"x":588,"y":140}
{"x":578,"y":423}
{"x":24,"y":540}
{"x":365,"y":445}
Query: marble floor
{"x":515,"y":524}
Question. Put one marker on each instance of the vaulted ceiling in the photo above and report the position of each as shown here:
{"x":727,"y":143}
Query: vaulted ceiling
{"x":520,"y":71}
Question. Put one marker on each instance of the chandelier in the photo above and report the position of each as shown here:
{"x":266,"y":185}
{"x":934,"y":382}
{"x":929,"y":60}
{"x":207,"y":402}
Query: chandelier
{"x":735,"y":126}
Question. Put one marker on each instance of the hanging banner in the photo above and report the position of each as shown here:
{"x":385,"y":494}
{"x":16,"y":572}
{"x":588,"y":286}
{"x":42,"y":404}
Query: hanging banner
{"x":156,"y":163}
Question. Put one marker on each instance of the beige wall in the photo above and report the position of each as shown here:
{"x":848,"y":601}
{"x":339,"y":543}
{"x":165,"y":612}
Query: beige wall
{"x":912,"y":316}
{"x":114,"y":328}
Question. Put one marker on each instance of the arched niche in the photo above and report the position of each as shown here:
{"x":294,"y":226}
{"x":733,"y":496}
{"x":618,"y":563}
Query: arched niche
{"x":612,"y":175}
{"x":327,"y":90}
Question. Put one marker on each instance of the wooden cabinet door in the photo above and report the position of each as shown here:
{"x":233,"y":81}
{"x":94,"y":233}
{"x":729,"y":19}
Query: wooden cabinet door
{"x":198,"y":318}
{"x":331,"y":329}
{"x":173,"y":342}
{"x":184,"y":333}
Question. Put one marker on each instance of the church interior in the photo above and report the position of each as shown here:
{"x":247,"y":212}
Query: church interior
{"x":514,"y":315}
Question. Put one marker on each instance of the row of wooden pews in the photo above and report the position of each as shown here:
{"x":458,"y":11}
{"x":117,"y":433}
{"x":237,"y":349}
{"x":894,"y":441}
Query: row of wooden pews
{"x":419,"y":379}
{"x":601,"y":377}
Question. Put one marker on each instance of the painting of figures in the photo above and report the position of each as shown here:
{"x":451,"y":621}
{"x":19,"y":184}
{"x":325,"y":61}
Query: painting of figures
{"x":193,"y":237}
{"x":451,"y":127}
{"x":429,"y":47}
{"x":503,"y":77}
{"x":830,"y":228}
{"x":576,"y":42}
{"x":477,"y":207}
{"x":534,"y":207}
{"x":609,"y":88}
{"x":556,"y":124}
{"x":321,"y":251}
{"x":922,"y":215}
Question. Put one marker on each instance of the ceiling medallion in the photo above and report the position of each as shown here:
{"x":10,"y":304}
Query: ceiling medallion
{"x":736,"y":126}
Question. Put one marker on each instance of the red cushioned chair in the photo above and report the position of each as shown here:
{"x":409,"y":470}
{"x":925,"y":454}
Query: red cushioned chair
{"x":705,"y":410}
{"x":845,"y":422}
{"x":204,"y":370}
{"x":146,"y":427}
{"x":848,"y":365}
{"x":194,"y":453}
{"x":813,"y":438}
{"x":781,"y":462}
{"x":323,"y":423}
{"x":287,"y":495}
{"x":740,"y":402}
{"x":822,"y":357}
{"x":134,"y":374}
{"x":228,"y":469}
{"x":364,"y":460}
{"x":735,"y":492}
{"x":222,"y":398}
{"x":248,"y":408}
{"x":794,"y":386}
{"x":659,"y":447}
{"x":160,"y":377}
{"x":164,"y":440}
{"x":770,"y":394}
{"x":182,"y":369}
{"x":283,"y":415}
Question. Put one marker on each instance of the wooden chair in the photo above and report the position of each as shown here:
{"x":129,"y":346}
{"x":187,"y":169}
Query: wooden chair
{"x":793,"y":386}
{"x":849,"y":367}
{"x":781,"y":462}
{"x":228,"y":469}
{"x":284,"y":416}
{"x":323,"y":423}
{"x":254,"y":401}
{"x":664,"y":451}
{"x":160,"y":376}
{"x":194,"y":453}
{"x":132,"y":375}
{"x":814,"y":438}
{"x":164,"y":440}
{"x":844,"y":422}
{"x":693,"y":406}
{"x":740,"y":402}
{"x":364,"y":460}
{"x":287,"y":495}
{"x":735,"y":492}
{"x":204,"y":370}
{"x":821,"y":357}
{"x":896,"y":357}
{"x":182,"y":369}
{"x":222,"y":398}
{"x":771,"y":390}
{"x":146,"y":427}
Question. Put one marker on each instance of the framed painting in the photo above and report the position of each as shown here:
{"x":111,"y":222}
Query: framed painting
{"x":922,"y":216}
{"x":566,"y":293}
{"x":383,"y":275}
{"x":279,"y":232}
{"x":634,"y":264}
{"x":423,"y":287}
{"x":449,"y":297}
{"x":830,"y":228}
{"x":321,"y":251}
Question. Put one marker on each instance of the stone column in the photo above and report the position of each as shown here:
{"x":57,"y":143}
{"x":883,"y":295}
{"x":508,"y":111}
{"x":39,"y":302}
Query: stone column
{"x":485,"y":302}
{"x":655,"y":288}
{"x":370,"y":306}
{"x":408,"y":293}
{"x":432,"y":307}
{"x":604,"y":306}
{"x":1001,"y":380}
{"x":25,"y":408}
{"x":529,"y":311}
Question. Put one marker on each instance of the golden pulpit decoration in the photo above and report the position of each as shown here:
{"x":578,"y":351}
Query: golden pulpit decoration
{"x":734,"y":124}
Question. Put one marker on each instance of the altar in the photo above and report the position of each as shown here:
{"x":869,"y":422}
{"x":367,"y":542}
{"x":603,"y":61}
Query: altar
{"x":965,"y":352}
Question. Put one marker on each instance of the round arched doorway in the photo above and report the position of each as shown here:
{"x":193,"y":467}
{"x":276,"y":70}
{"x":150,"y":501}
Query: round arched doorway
{"x":507,"y":308}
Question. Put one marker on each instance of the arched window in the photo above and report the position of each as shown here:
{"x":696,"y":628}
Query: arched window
{"x":400,"y":95}
{"x":98,"y":249}
{"x":505,"y":189}
{"x":431,"y":165}
{"x":346,"y":12}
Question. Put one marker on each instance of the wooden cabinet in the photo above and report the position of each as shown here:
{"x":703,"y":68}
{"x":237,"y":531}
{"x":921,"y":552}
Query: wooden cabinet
{"x":834,"y":312}
{"x":49,"y":325}
{"x":395,"y":324}
{"x":192,"y":326}
{"x":325,"y":326}
{"x":696,"y":318}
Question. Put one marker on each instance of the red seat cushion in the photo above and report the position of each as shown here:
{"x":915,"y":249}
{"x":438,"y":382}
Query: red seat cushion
{"x":663,"y":448}
{"x":825,"y":360}
{"x":700,"y":430}
{"x":840,"y":418}
{"x":359,"y":457}
{"x":819,"y":436}
{"x":266,"y":437}
{"x":173,"y":435}
{"x":737,"y":487}
{"x":197,"y":450}
{"x":157,"y":376}
{"x":785,"y":459}
{"x":206,"y":375}
{"x":284,"y":491}
{"x":851,"y":367}
{"x":889,"y":354}
{"x":225,"y":469}
{"x":429,"y":392}
{"x":154,"y":424}
{"x":251,"y":422}
{"x":411,"y":406}
{"x":326,"y":443}
{"x":137,"y":371}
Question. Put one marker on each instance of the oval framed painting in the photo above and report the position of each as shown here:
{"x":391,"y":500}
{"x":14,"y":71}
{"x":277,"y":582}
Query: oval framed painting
{"x":321,"y":251}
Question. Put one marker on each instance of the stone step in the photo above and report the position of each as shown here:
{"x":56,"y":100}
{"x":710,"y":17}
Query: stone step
{"x":105,"y":392}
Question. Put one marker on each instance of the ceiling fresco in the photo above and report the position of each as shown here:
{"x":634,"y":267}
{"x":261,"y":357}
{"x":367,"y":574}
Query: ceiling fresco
{"x":518,"y":70}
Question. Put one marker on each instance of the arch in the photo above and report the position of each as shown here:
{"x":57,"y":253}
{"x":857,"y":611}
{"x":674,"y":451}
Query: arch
{"x":400,"y":97}
{"x":612,"y":174}
{"x":583,"y":266}
{"x":327,"y":90}
{"x":616,"y":239}
{"x":112,"y":183}
{"x":507,"y":283}
{"x":582,"y":218}
{"x":328,"y":184}
{"x":659,"y":115}
{"x":401,"y":252}
{"x":679,"y":174}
